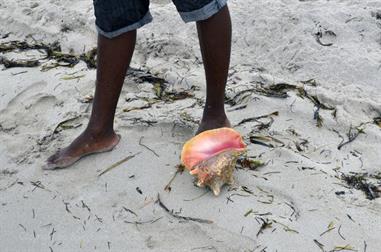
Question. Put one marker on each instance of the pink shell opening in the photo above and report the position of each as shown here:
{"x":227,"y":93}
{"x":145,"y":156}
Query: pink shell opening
{"x":210,"y":143}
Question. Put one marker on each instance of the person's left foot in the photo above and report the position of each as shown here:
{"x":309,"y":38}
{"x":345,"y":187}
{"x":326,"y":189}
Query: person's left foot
{"x":87,"y":143}
{"x":213,"y":122}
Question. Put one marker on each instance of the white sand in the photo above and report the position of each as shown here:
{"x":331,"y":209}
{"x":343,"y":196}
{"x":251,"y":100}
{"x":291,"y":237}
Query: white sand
{"x":273,"y":42}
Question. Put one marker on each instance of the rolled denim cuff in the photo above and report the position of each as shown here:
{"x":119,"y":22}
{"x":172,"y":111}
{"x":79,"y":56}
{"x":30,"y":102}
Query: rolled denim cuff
{"x":203,"y":13}
{"x":145,"y":20}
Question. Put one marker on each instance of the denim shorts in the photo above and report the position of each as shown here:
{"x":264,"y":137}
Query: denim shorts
{"x":115,"y":17}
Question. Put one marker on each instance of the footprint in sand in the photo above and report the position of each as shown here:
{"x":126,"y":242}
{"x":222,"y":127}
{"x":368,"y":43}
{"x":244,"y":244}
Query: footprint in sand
{"x":27,"y":107}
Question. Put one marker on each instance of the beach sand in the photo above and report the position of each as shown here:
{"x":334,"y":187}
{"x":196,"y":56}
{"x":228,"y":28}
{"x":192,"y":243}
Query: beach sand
{"x":327,"y":52}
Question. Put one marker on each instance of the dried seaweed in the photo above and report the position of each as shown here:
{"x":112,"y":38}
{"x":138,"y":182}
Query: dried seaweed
{"x":262,"y":126}
{"x":141,"y":76}
{"x":143,"y":222}
{"x":237,"y":108}
{"x":295,"y":212}
{"x":350,"y":217}
{"x":141,"y":121}
{"x":314,"y":99}
{"x":237,"y":98}
{"x":170,"y":96}
{"x":73,"y":77}
{"x":65,"y":124}
{"x":256,"y":118}
{"x":318,"y":118}
{"x":170,"y":212}
{"x":160,"y":86}
{"x":310,"y":82}
{"x":8,"y":172}
{"x":6,"y":35}
{"x":18,"y":63}
{"x":23,"y":45}
{"x":117,"y":164}
{"x":329,"y":229}
{"x":148,"y":105}
{"x":228,"y":198}
{"x":265,"y":225}
{"x":301,"y":146}
{"x":52,"y":52}
{"x":22,"y":72}
{"x":271,"y":200}
{"x":130,"y":211}
{"x":340,"y":234}
{"x":321,"y":246}
{"x":377,"y":121}
{"x":359,"y":182}
{"x":343,"y":248}
{"x":267,"y":141}
{"x":197,"y":197}
{"x":148,"y":148}
{"x":23,"y":227}
{"x":90,"y":58}
{"x":246,"y":189}
{"x":179,"y":169}
{"x":249,"y":163}
{"x":38,"y":184}
{"x":166,"y":97}
{"x":205,"y":248}
{"x":286,"y":228}
{"x":139,"y":190}
{"x":278,"y":90}
{"x":186,"y":117}
{"x":52,"y":233}
{"x":351,"y":136}
{"x":248,"y":212}
{"x":84,"y":205}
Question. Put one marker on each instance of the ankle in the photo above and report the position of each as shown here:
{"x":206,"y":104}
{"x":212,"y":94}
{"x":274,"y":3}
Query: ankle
{"x":214,"y":114}
{"x":99,"y":132}
{"x":214,"y":109}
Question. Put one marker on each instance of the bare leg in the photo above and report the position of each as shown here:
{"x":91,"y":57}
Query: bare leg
{"x":114,"y":56}
{"x":215,"y":42}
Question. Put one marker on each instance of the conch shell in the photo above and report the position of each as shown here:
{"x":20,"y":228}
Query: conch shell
{"x":212,"y":156}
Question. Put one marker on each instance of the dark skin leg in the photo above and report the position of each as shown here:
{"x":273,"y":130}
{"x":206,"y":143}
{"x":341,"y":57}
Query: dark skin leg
{"x":114,"y":56}
{"x":215,"y":43}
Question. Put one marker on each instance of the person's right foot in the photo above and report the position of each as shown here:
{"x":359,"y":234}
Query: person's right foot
{"x":86,"y":144}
